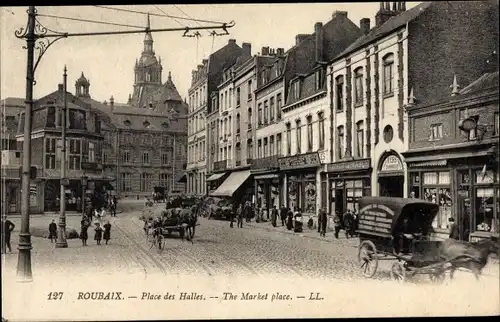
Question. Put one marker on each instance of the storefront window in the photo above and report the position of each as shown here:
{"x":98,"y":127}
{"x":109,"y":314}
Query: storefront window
{"x":436,"y":189}
{"x":484,"y":209}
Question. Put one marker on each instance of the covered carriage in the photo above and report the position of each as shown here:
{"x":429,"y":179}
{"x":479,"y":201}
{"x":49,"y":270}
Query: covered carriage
{"x":399,"y":229}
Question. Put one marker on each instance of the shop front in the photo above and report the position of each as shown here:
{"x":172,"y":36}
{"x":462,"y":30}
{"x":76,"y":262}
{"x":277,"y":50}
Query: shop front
{"x":237,"y":186}
{"x":301,"y":182}
{"x":267,"y":183}
{"x":465,"y":184}
{"x":215,"y":180}
{"x":390,"y":175}
{"x":348,"y":181}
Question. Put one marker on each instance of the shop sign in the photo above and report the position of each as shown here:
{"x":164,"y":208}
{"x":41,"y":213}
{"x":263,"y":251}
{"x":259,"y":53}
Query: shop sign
{"x":392,"y":163}
{"x":354,"y":165}
{"x":33,"y":194}
{"x":300,"y":161}
{"x":91,"y":166}
{"x":377,"y":218}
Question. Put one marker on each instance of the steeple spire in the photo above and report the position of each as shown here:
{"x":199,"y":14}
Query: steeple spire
{"x":148,"y":39}
{"x":169,"y":76}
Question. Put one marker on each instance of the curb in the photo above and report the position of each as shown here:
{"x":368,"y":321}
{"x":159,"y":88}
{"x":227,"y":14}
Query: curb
{"x":297,"y":234}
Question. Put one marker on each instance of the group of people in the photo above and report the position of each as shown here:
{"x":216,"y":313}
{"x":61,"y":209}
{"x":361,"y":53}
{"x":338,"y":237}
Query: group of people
{"x":348,"y":222}
{"x":100,"y":231}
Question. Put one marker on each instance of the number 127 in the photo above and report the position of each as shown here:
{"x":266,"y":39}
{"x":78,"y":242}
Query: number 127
{"x":55,"y":296}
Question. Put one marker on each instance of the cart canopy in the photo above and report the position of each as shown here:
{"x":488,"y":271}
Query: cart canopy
{"x":387,"y":216}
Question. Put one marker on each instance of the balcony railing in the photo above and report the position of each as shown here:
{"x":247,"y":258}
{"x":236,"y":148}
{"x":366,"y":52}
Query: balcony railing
{"x":266,"y":163}
{"x":220,"y":165}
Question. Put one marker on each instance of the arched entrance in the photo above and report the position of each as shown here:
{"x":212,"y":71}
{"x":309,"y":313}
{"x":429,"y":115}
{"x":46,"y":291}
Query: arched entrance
{"x":391,"y":175}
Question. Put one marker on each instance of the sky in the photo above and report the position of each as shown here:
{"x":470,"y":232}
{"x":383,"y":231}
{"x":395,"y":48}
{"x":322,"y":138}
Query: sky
{"x":108,"y":61}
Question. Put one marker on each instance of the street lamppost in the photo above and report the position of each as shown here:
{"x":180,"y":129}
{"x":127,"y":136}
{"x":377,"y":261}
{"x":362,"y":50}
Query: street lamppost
{"x":84,"y":187}
{"x":37,"y":37}
{"x":61,"y":232}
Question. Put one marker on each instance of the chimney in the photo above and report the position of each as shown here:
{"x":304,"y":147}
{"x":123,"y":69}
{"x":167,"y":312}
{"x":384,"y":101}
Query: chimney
{"x":280,"y":51}
{"x":231,"y":41}
{"x":247,"y":48}
{"x":105,"y":103}
{"x":364,"y":25}
{"x":60,"y":87}
{"x":111,"y":102}
{"x":318,"y":31}
{"x":384,"y":13}
{"x":403,"y":5}
{"x":200,"y":67}
{"x":300,"y":37}
{"x":205,"y":61}
{"x":265,"y":51}
{"x":337,"y":13}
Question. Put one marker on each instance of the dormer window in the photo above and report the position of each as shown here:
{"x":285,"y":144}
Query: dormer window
{"x":296,"y":89}
{"x":146,"y":124}
{"x":164,"y":125}
{"x":127,"y":123}
{"x":319,"y":79}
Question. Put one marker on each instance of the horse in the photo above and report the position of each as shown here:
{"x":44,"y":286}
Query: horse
{"x":472,"y":256}
{"x":186,"y":219}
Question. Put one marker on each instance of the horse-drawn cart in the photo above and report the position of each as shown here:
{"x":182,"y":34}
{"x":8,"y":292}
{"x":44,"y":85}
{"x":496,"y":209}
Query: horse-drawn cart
{"x":399,"y":229}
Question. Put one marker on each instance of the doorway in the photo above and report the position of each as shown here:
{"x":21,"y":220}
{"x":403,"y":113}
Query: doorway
{"x":391,"y":186}
{"x":339,"y":201}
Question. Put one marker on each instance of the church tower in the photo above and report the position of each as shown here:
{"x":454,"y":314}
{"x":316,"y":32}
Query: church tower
{"x":82,"y":86}
{"x":147,"y":72}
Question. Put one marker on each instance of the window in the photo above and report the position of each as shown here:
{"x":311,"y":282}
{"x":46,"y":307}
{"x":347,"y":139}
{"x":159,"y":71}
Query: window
{"x":288,"y":139}
{"x":278,"y":144}
{"x":249,"y":89}
{"x":339,"y":91}
{"x":260,"y":113}
{"x":296,"y":89}
{"x":250,"y":149}
{"x":259,"y":149}
{"x":229,"y":125}
{"x":278,"y":106}
{"x":319,"y":79}
{"x":230,"y":97}
{"x":321,"y":130}
{"x":340,"y":142}
{"x":145,"y":157}
{"x":105,"y":157}
{"x":271,"y":109}
{"x":436,"y":132}
{"x":225,"y":101}
{"x":146,"y":181}
{"x":388,"y":63}
{"x":225,"y":127}
{"x":249,"y":118}
{"x":309,"y":134}
{"x":298,"y":136}
{"x":238,"y":97}
{"x":126,"y":156}
{"x":265,"y":148}
{"x":358,"y":86}
{"x":91,"y":152}
{"x":50,"y":153}
{"x":436,"y":188}
{"x":360,"y":143}
{"x":126,"y":181}
{"x":74,"y":154}
{"x":222,"y":101}
{"x":238,"y":123}
{"x":163,"y":179}
{"x":265,"y":112}
{"x":164,"y":158}
{"x":271,"y":146}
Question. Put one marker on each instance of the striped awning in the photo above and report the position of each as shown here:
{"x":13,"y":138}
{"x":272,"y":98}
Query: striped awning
{"x":430,"y":163}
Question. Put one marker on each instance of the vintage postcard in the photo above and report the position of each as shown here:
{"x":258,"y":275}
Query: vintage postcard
{"x":236,"y":161}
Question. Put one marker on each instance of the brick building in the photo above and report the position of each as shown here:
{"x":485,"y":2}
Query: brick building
{"x":455,"y":164}
{"x":409,"y":53}
{"x":204,"y":110}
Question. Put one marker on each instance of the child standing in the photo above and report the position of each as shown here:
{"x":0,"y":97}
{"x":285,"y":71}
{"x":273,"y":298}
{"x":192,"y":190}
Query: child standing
{"x":98,"y":233}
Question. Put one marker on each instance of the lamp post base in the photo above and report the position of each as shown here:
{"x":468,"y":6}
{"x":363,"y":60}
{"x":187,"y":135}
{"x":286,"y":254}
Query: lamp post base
{"x":24,"y":274}
{"x":61,"y":238}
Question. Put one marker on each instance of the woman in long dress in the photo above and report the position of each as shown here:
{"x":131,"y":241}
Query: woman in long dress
{"x":107,"y":232}
{"x":83,"y":233}
{"x":98,"y":233}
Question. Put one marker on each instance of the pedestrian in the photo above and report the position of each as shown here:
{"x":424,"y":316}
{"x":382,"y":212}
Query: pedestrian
{"x":7,"y":228}
{"x":337,"y":221}
{"x":349,"y":223}
{"x":289,"y":223}
{"x":98,"y":233}
{"x":239,"y":213}
{"x":52,"y":231}
{"x":323,"y":221}
{"x":454,"y":232}
{"x":231,"y":216}
{"x":58,"y":204}
{"x":84,"y":226}
{"x":113,"y":207}
{"x":107,"y":232}
{"x":298,"y":221}
{"x":274,"y":215}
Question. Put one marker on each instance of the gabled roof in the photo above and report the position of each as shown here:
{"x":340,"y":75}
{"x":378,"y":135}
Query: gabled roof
{"x":388,"y":27}
{"x":485,"y":82}
{"x":13,"y":101}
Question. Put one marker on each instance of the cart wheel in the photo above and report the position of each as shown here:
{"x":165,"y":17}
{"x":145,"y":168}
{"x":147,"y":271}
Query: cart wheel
{"x":367,"y":258}
{"x":398,"y":272}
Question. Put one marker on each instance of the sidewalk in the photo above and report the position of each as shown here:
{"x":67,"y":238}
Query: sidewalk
{"x":307,"y":233}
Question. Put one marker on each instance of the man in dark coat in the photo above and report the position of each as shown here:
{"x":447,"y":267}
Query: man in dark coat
{"x":337,"y":221}
{"x":283,"y":212}
{"x":52,"y":231}
{"x":7,"y":228}
{"x":323,"y":221}
{"x":454,"y":232}
{"x":274,"y":215}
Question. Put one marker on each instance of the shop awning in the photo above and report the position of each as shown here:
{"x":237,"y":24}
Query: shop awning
{"x":182,"y":179}
{"x":431,"y":163}
{"x":447,"y":156}
{"x":215,"y":176}
{"x":231,"y":184}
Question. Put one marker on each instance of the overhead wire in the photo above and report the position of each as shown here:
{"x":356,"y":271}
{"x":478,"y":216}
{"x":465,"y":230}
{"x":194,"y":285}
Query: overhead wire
{"x":91,"y":21}
{"x":172,"y":18}
{"x":159,"y":15}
